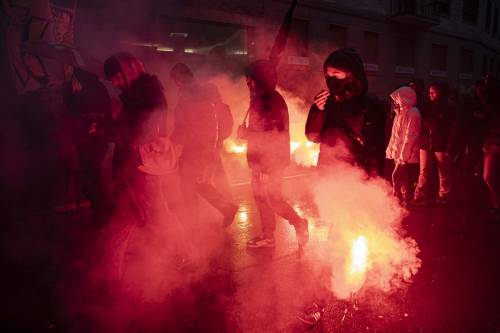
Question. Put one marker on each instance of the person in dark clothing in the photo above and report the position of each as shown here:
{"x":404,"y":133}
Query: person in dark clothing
{"x":141,"y":129}
{"x":438,"y":140}
{"x":473,"y":135}
{"x":489,"y":96}
{"x":346,"y":114}
{"x":268,"y":153}
{"x":196,"y":130}
{"x":90,"y":105}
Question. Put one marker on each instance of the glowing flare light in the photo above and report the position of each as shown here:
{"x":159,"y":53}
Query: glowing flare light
{"x":233,"y":147}
{"x":359,"y":255}
{"x":303,"y":153}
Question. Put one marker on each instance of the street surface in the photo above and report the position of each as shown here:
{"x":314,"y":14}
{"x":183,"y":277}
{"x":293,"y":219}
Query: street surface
{"x":233,"y":289}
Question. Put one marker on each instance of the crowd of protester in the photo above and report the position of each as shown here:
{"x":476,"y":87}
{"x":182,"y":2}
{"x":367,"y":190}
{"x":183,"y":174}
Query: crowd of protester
{"x":164,"y":157}
{"x":453,"y":137}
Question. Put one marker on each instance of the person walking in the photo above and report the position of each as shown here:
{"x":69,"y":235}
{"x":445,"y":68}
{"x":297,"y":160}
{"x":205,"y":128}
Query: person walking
{"x":268,"y":153}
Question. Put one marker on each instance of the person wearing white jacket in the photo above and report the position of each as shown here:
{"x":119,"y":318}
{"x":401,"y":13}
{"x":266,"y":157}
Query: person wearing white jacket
{"x":403,"y":145}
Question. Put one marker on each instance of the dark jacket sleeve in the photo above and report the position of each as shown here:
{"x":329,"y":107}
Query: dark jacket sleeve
{"x":314,"y":125}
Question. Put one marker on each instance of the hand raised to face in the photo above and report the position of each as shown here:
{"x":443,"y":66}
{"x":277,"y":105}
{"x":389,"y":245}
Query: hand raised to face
{"x":321,"y":98}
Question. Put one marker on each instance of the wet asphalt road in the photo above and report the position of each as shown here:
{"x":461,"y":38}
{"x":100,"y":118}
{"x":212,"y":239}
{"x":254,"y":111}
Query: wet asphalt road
{"x":456,"y":289}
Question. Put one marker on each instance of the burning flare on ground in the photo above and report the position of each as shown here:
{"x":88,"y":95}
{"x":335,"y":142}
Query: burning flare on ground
{"x":366,"y":247}
{"x":359,"y":255}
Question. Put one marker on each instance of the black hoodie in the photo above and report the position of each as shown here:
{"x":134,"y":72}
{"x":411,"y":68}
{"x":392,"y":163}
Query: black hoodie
{"x":358,"y":120}
{"x":268,"y":121}
{"x":439,"y":123}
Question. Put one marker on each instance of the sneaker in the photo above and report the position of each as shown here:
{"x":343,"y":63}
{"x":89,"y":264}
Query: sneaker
{"x":302,"y":231}
{"x":261,"y":242}
{"x":312,"y":315}
{"x":229,"y":216}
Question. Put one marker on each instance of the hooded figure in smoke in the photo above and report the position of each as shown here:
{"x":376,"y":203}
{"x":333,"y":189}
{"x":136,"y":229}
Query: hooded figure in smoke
{"x":141,"y":154}
{"x":346,"y":114}
{"x":268,"y":152}
{"x":197,"y":130}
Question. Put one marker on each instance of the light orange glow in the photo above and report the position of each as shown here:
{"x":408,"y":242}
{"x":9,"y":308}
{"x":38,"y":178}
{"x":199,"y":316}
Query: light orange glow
{"x":235,"y":94}
{"x":233,"y":147}
{"x":293,"y":146}
{"x":304,"y":152}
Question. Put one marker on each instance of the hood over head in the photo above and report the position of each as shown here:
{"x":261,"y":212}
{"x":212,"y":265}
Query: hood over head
{"x":346,"y":60}
{"x":263,"y":72}
{"x":124,"y":63}
{"x":404,"y":96}
{"x":182,"y":73}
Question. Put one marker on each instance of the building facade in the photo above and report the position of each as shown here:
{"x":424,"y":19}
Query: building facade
{"x":454,"y":41}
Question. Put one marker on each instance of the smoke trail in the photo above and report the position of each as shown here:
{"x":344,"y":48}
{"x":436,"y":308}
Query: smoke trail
{"x":361,"y":208}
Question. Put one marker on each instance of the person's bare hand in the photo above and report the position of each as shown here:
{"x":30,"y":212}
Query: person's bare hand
{"x":320,"y":99}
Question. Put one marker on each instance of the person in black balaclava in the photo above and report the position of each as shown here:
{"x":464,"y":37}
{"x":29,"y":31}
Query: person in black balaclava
{"x":268,"y":153}
{"x":344,"y":113}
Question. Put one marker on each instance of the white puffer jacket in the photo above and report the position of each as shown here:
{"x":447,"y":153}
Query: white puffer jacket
{"x":403,"y":145}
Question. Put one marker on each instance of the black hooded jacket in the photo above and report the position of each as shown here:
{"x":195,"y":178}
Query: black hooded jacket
{"x":268,"y":121}
{"x":439,"y":128}
{"x":358,"y":121}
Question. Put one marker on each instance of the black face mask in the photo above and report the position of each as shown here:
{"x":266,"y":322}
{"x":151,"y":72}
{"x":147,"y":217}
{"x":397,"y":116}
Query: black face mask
{"x":344,"y":89}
